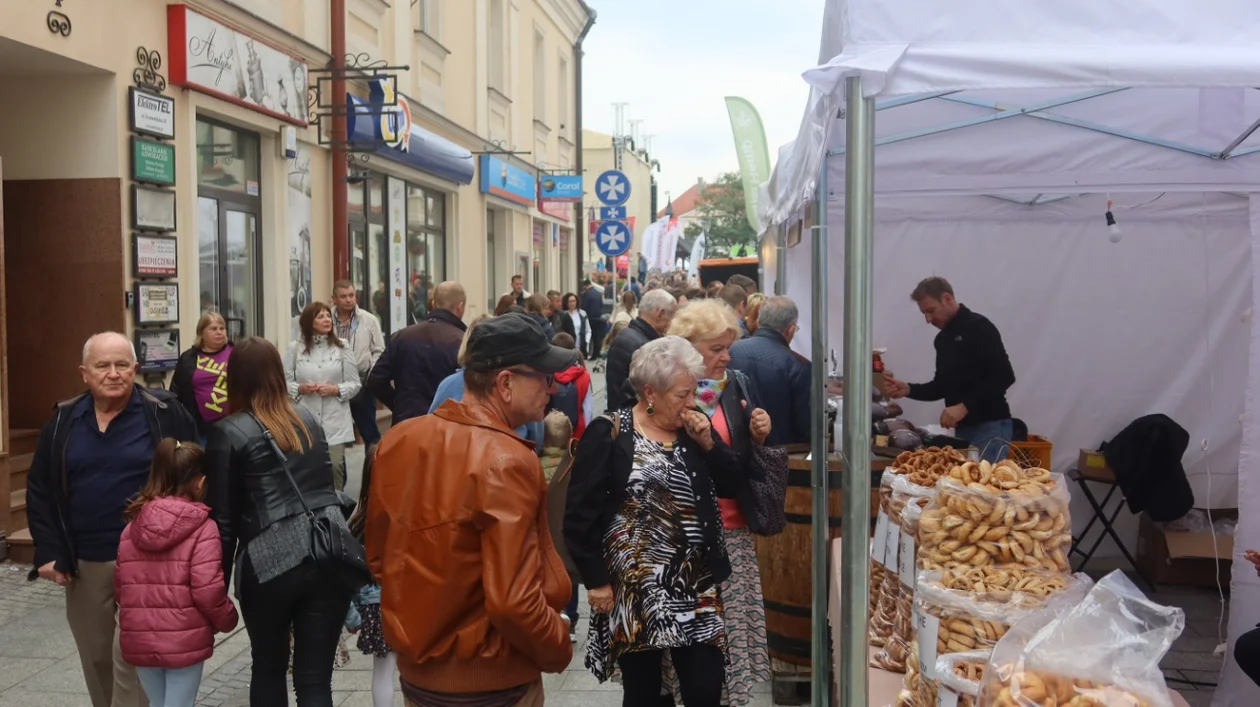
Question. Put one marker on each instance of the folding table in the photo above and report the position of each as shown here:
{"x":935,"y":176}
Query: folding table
{"x":1102,"y":516}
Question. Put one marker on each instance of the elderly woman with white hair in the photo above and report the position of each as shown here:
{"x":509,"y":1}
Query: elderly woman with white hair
{"x":729,"y":399}
{"x":643,"y":527}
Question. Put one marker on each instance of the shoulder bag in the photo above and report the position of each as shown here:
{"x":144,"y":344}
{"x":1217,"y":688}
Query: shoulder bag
{"x":769,"y":493}
{"x":333,"y":548}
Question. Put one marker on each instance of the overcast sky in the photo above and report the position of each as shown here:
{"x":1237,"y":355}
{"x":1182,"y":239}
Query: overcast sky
{"x":673,"y":62}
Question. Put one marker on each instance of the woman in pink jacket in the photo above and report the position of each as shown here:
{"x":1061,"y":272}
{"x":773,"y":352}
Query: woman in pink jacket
{"x":172,"y":597}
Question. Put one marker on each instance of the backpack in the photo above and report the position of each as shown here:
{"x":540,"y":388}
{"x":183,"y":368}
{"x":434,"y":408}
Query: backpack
{"x":558,"y":490}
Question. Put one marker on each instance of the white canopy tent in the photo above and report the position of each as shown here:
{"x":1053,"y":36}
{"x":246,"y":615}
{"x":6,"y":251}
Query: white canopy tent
{"x":1000,"y":129}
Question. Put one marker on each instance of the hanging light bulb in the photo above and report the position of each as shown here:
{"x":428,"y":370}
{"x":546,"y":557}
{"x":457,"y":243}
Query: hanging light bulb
{"x":1113,"y":228}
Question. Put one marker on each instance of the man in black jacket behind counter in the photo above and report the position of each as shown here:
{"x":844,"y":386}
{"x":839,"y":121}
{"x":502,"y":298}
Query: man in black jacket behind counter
{"x":973,"y":371}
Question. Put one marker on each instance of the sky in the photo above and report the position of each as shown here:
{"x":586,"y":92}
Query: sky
{"x":674,"y":61}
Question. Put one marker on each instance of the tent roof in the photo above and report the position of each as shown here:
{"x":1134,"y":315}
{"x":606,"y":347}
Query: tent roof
{"x":1027,"y":98}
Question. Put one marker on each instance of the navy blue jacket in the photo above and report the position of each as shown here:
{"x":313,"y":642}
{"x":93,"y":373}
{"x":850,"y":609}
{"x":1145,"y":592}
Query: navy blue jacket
{"x":593,"y":304}
{"x":47,"y":502}
{"x":782,"y":378}
{"x":417,"y":360}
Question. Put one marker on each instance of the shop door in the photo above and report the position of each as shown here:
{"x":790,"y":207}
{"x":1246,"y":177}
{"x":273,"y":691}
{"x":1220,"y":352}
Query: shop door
{"x":228,"y":245}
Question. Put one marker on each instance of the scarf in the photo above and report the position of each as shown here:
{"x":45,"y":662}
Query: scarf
{"x":709,"y":393}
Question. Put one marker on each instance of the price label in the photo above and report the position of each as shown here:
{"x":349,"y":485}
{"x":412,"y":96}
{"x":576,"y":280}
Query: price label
{"x":929,"y":628}
{"x":880,"y":539}
{"x":946,"y":697}
{"x":906,"y":567}
{"x":892,"y":542}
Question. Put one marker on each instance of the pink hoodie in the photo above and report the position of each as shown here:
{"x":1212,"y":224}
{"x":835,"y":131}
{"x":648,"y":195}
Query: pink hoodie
{"x":169,"y":585}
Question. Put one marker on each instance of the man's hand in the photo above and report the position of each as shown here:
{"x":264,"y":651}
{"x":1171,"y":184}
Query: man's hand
{"x":952,"y":415}
{"x":1254,"y":557}
{"x":601,"y":599}
{"x":50,"y":573}
{"x":896,"y":388}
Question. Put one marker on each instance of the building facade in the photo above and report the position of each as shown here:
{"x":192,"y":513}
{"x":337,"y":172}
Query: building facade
{"x":166,"y":159}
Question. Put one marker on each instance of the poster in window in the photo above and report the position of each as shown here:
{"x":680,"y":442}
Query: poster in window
{"x":157,"y":303}
{"x":299,"y":224}
{"x":157,"y":349}
{"x":395,"y":224}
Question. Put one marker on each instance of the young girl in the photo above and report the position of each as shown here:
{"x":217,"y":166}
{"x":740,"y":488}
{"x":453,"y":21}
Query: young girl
{"x":172,"y":596}
{"x":364,"y":616}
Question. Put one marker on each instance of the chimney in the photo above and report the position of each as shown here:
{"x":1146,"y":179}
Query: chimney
{"x":700,"y":183}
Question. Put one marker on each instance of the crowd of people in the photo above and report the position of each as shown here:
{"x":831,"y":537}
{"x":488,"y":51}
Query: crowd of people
{"x":153,"y":508}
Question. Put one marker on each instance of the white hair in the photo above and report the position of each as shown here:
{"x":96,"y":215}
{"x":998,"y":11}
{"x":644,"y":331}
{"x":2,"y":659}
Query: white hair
{"x":778,"y":314}
{"x":87,"y":345}
{"x":656,"y":363}
{"x":656,"y":301}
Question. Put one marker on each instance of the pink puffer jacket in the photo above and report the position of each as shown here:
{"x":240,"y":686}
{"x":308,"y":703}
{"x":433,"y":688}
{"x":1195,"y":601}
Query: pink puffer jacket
{"x":169,"y":585}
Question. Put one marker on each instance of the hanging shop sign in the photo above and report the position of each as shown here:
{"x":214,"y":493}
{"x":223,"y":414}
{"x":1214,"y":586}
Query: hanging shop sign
{"x":151,"y":114}
{"x":157,"y":303}
{"x":154,"y":256}
{"x":211,"y":57}
{"x":562,"y":210}
{"x":375,"y":122}
{"x":560,"y":187}
{"x":152,"y":162}
{"x":507,"y":181}
{"x":157,"y":349}
{"x":152,"y":209}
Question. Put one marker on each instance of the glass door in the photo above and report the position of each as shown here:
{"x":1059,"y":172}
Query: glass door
{"x":240,"y":286}
{"x":228,"y":246}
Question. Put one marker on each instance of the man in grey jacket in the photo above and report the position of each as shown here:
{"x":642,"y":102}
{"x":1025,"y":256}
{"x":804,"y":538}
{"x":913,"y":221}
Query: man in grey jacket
{"x":361,"y":330}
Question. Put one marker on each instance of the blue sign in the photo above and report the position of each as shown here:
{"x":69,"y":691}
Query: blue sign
{"x":611,"y":213}
{"x":613,"y":238}
{"x":507,"y":181}
{"x":421,"y":149}
{"x":555,"y":187}
{"x":612,"y":188}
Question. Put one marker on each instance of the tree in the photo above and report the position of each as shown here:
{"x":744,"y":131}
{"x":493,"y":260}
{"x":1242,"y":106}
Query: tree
{"x":720,"y":214}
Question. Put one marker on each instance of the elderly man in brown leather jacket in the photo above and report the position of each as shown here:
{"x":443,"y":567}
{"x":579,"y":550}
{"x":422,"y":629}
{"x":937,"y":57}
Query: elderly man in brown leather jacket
{"x":471,"y":584}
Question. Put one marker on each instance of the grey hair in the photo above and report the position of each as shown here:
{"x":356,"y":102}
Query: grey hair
{"x":87,"y":345}
{"x":656,"y":301}
{"x":657,"y":362}
{"x":778,"y":314}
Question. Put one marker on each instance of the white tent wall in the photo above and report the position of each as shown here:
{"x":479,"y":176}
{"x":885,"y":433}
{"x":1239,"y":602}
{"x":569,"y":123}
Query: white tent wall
{"x":1098,"y":333}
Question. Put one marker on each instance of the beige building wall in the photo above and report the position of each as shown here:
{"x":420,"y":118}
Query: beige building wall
{"x":599,"y":156}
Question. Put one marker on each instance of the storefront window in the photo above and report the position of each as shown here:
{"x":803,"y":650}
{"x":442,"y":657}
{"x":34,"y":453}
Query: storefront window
{"x":369,"y":252}
{"x":426,"y":247}
{"x":539,"y":255}
{"x":492,"y":255}
{"x":567,"y":282}
{"x":229,"y":208}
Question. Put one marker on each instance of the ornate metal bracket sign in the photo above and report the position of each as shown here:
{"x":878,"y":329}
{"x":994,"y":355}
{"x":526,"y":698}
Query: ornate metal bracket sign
{"x":146,"y":75}
{"x":59,"y":22}
{"x":360,"y":67}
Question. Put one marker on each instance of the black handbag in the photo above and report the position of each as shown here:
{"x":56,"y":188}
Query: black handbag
{"x":333,"y":548}
{"x":769,"y":494}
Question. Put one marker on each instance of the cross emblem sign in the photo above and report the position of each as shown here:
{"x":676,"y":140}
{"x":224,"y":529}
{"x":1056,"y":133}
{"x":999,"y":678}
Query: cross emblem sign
{"x":611,"y":188}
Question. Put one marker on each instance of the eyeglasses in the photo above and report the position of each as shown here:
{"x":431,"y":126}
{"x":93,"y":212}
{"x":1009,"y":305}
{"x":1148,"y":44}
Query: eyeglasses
{"x":548,"y":379}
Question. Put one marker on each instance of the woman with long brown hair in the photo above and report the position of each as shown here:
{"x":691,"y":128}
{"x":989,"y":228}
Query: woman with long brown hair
{"x":258,"y":501}
{"x":322,"y":377}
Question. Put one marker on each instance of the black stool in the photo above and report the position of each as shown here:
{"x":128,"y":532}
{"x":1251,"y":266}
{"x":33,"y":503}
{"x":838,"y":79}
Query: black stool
{"x":1106,"y":478}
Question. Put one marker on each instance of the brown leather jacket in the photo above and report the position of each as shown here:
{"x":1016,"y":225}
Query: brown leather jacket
{"x":471,"y":585}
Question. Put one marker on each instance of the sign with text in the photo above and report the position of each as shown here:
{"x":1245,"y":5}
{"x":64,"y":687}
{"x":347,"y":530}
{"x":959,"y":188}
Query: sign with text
{"x":557,"y":187}
{"x":152,"y":162}
{"x":151,"y":114}
{"x":215,"y":58}
{"x":507,"y":181}
{"x":157,"y":349}
{"x":157,"y":303}
{"x":152,"y":209}
{"x":155,"y":256}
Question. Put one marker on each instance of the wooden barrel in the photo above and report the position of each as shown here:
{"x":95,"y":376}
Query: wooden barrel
{"x":786,"y":560}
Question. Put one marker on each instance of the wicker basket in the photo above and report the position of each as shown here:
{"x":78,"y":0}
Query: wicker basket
{"x":1035,"y":452}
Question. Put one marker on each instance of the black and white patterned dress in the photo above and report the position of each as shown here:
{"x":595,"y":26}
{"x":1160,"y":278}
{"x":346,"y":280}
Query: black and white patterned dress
{"x":663,"y":590}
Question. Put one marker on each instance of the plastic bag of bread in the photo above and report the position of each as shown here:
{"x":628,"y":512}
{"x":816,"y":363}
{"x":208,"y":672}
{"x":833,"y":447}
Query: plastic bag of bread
{"x":904,"y":506}
{"x":959,"y":679}
{"x":997,"y":515}
{"x":878,"y":631}
{"x":1103,"y":651}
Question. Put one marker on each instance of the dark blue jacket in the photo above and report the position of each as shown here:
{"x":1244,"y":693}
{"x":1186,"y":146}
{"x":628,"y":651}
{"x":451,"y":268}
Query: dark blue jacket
{"x":417,"y":360}
{"x":47,"y":502}
{"x":593,"y":305}
{"x":782,"y":379}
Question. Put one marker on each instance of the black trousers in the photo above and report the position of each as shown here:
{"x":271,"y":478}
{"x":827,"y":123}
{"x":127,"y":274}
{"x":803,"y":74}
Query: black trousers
{"x":1247,"y":654}
{"x":315,"y":608}
{"x":599,"y":329}
{"x":701,"y":673}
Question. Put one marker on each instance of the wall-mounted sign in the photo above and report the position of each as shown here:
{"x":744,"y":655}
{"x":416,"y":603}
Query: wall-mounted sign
{"x":395,"y":225}
{"x":422,"y":150}
{"x":558,"y":187}
{"x":152,"y":209}
{"x":393,"y":125}
{"x":154,"y":256}
{"x":152,"y":161}
{"x":562,"y":210}
{"x":157,"y":349}
{"x":151,"y":114}
{"x":157,"y":303}
{"x":211,"y":57}
{"x":507,"y":181}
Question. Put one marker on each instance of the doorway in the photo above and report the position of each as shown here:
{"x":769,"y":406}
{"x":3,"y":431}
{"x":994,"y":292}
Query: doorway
{"x":229,"y":208}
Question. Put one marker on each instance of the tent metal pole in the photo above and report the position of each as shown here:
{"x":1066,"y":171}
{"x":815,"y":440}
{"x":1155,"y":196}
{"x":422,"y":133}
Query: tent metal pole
{"x":820,"y":638}
{"x":780,"y":259}
{"x":859,"y":212}
{"x":1229,"y":149}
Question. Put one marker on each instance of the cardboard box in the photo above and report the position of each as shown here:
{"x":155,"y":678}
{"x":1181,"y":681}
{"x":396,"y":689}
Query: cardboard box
{"x":1185,"y":558}
{"x":1093,"y":465}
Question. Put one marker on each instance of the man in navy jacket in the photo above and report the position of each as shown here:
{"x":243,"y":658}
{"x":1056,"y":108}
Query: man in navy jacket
{"x":781,"y":376}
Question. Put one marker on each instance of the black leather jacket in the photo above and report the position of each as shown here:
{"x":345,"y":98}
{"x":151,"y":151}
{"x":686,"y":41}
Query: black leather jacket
{"x":246,"y":487}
